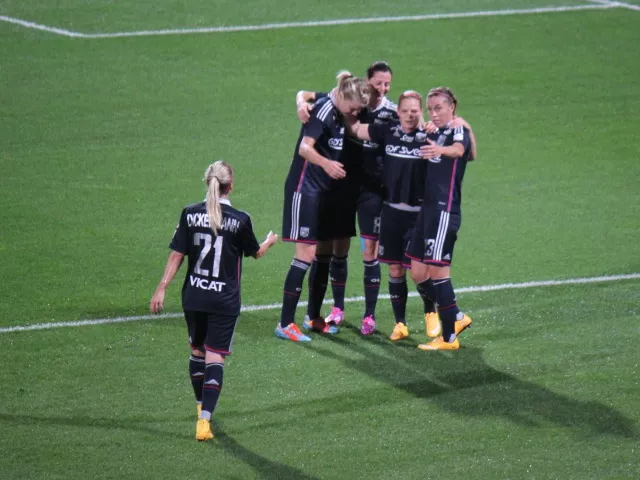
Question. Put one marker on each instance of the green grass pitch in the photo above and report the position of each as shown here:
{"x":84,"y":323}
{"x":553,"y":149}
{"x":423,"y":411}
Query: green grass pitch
{"x":103,"y":141}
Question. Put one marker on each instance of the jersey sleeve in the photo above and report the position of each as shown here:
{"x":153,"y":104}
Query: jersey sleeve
{"x":320,"y":95}
{"x":315,"y":127}
{"x":248,"y":241}
{"x":376,"y":132}
{"x":180,"y":240}
{"x":461,"y":135}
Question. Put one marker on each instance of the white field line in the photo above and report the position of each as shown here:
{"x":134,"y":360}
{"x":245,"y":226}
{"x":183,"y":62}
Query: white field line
{"x":320,"y":23}
{"x":274,"y":306}
{"x":616,"y":4}
{"x":36,"y":26}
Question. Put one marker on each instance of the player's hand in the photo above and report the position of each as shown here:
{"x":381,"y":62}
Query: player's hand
{"x":430,"y":127}
{"x":334,"y":170}
{"x":431,"y":150}
{"x":304,"y":112}
{"x":459,"y":122}
{"x":157,"y":301}
{"x":271,"y":238}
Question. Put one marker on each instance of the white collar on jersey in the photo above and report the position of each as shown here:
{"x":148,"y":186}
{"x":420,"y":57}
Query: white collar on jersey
{"x":383,"y":103}
{"x":224,"y":201}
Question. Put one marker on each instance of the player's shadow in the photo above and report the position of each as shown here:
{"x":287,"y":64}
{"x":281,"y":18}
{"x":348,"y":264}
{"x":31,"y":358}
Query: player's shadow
{"x":461,"y":382}
{"x":265,"y":469}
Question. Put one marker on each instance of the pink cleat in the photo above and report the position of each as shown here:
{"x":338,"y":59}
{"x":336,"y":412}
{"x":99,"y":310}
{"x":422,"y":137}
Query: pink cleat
{"x":336,"y":316}
{"x":368,"y":325}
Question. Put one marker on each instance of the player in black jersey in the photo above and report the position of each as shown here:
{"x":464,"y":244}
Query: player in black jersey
{"x":214,"y":236}
{"x":431,"y":246}
{"x":403,"y":177}
{"x":367,"y":185}
{"x":313,"y":217}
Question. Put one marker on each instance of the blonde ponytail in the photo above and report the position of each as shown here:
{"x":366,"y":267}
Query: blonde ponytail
{"x":218,"y":177}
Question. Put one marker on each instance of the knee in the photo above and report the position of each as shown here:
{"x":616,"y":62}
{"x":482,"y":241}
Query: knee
{"x":212,"y":357}
{"x":396,"y":270}
{"x":369,"y":252}
{"x":197,"y":351}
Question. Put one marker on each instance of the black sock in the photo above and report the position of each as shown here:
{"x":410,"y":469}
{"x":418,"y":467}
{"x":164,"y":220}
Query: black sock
{"x":212,"y":387}
{"x":428,"y":295}
{"x":398,"y":293}
{"x":371,"y":286}
{"x":339,"y":273}
{"x":292,"y":290}
{"x":318,"y":280}
{"x":447,"y":308}
{"x":196,"y":372}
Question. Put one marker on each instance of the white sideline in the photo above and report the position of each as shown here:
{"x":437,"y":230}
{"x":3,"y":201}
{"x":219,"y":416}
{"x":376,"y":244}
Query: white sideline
{"x":616,"y":4}
{"x":595,"y":5}
{"x":273,"y":306}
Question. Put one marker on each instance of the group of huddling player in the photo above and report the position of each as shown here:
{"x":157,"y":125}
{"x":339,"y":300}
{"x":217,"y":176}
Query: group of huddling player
{"x":358,"y":154}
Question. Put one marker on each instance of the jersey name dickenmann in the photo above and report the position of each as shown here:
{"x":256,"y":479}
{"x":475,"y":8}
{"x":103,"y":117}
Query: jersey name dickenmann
{"x":404,"y":170}
{"x":443,"y":186}
{"x":326,"y":127}
{"x":212,"y":283}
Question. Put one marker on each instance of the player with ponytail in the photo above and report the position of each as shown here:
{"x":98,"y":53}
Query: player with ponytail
{"x":214,"y":237}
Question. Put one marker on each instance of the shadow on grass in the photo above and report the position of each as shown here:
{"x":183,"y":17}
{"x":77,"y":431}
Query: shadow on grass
{"x":264,"y":468}
{"x":461,"y":382}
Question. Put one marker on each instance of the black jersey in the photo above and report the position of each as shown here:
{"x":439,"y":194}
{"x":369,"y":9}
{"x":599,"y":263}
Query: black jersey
{"x":212,"y":283}
{"x":403,"y":170}
{"x":367,"y":155}
{"x":444,"y":174}
{"x":326,"y":127}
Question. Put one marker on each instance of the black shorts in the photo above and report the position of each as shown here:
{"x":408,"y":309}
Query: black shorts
{"x":337,"y":218}
{"x":396,"y":229}
{"x":369,"y":208}
{"x":300,"y":217}
{"x":212,"y":331}
{"x":434,"y":237}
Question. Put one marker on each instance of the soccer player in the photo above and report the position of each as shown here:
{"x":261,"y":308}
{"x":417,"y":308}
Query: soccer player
{"x":214,"y":236}
{"x":312,"y":214}
{"x":435,"y":234}
{"x":403,"y":174}
{"x":369,"y":192}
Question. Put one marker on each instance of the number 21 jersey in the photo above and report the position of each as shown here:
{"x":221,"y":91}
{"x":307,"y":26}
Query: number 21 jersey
{"x":212,"y":283}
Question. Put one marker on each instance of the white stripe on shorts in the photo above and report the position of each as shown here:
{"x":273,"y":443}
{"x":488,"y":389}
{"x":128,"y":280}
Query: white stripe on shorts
{"x":295,"y":213}
{"x":442,"y":234}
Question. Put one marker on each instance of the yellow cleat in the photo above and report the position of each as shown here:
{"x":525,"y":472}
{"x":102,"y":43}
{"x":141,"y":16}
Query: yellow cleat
{"x":440,"y":344}
{"x":400,"y":331}
{"x":462,"y":325}
{"x":203,"y":430}
{"x":432,"y":323}
{"x":199,"y":409}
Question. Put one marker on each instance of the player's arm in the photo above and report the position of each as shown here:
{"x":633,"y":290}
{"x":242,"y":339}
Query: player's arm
{"x":173,"y":264}
{"x":309,"y":153}
{"x":433,"y":150}
{"x":461,"y":122}
{"x":271,"y":239}
{"x":357,"y":129}
{"x":304,"y":99}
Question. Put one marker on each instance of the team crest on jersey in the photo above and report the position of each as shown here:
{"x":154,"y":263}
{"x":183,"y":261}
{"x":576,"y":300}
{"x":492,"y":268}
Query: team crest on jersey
{"x":304,"y":232}
{"x":421,"y":137}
